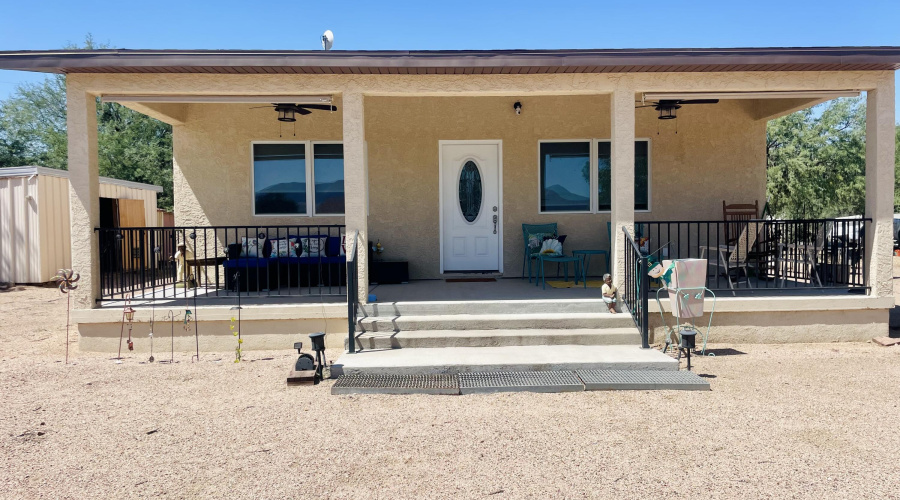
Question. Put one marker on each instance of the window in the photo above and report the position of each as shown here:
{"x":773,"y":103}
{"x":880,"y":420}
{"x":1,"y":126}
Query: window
{"x":470,"y":191}
{"x":641,"y":175}
{"x":279,"y":178}
{"x":281,"y":174}
{"x":566,"y":184}
{"x":328,"y":169}
{"x":565,"y":176}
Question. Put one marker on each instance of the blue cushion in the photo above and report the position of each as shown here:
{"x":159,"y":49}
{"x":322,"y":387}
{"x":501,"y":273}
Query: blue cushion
{"x":333,"y":246}
{"x":340,"y":259}
{"x":246,"y":262}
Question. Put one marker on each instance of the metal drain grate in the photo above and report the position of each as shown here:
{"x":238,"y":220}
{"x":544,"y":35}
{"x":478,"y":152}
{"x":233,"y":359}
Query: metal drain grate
{"x":484,"y":382}
{"x":641,"y":380}
{"x":396,"y":384}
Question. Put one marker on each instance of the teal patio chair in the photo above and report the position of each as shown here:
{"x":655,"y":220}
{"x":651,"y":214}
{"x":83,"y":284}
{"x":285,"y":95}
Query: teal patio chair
{"x":532,"y":253}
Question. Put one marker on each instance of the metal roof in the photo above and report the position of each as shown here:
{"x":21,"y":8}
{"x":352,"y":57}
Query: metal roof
{"x":31,"y":170}
{"x":454,"y":61}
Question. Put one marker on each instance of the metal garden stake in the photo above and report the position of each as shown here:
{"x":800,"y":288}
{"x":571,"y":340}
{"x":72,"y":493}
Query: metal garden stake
{"x":67,"y":283}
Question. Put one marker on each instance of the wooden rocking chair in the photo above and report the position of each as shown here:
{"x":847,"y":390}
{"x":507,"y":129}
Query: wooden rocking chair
{"x":736,"y":216}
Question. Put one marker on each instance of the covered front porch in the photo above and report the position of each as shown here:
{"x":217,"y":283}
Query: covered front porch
{"x":444,"y":173}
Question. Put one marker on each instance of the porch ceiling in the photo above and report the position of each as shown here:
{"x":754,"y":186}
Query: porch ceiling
{"x":455,"y":62}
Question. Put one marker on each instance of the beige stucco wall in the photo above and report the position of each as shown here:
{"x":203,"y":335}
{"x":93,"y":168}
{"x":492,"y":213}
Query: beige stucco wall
{"x":783,"y":327}
{"x":212,"y":154}
{"x":718,"y":153}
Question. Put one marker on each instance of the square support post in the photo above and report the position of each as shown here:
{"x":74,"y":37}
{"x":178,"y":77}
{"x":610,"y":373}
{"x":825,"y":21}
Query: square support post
{"x":622,"y":165}
{"x":84,"y":192}
{"x":880,"y":137}
{"x":356,"y":183}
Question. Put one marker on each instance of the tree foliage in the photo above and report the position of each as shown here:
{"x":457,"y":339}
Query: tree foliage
{"x":131,"y":146}
{"x":816,"y":161}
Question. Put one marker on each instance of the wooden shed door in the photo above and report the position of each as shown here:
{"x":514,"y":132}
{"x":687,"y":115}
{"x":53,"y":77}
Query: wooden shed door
{"x":134,"y":249}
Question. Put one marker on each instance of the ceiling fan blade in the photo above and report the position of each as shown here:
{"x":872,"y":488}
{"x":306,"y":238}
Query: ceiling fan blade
{"x":646,"y":106}
{"x":260,"y":107}
{"x":699,"y":101}
{"x":303,"y":111}
{"x":326,"y":107}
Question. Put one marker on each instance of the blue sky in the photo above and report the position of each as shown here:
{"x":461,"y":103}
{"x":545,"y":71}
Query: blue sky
{"x":228,"y":24}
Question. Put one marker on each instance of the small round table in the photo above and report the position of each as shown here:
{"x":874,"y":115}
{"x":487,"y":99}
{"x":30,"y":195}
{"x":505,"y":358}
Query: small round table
{"x":586,"y":256}
{"x":564,"y":260}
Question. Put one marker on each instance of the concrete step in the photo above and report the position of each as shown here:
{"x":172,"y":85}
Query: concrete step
{"x":452,"y":360}
{"x":546,"y":321}
{"x":496,"y":338}
{"x":484,"y":307}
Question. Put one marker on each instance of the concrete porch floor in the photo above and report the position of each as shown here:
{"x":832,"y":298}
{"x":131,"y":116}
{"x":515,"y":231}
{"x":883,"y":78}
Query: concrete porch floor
{"x":436,"y":290}
{"x":502,"y":289}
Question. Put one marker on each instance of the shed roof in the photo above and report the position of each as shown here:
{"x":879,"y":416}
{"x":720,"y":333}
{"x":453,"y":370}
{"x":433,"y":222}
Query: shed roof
{"x":31,"y":170}
{"x":454,"y":61}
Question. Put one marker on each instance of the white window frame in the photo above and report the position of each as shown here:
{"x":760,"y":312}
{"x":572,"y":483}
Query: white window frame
{"x":649,"y":176}
{"x":310,"y":180}
{"x":311,"y":193}
{"x":594,"y":149}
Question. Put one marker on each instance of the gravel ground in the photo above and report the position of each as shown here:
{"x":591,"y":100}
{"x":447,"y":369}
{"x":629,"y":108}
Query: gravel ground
{"x":799,"y":421}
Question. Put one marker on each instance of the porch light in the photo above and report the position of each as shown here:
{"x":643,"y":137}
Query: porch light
{"x":129,"y":314}
{"x":667,"y":113}
{"x":285,"y":114}
{"x":518,"y":107}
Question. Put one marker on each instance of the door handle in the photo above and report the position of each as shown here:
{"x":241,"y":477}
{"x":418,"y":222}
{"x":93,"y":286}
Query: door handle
{"x":495,"y":223}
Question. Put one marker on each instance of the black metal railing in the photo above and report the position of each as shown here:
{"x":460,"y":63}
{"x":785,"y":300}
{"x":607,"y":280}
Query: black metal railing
{"x":774,"y":255}
{"x":636,"y":293}
{"x":352,"y":289}
{"x":160,"y":263}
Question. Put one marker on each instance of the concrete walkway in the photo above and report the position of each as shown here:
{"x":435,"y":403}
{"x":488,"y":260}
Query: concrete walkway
{"x":428,"y":361}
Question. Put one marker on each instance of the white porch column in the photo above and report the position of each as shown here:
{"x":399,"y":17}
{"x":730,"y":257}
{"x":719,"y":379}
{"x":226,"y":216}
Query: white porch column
{"x":356,"y":204}
{"x":622,"y":165}
{"x":84,"y":192}
{"x":880,"y":185}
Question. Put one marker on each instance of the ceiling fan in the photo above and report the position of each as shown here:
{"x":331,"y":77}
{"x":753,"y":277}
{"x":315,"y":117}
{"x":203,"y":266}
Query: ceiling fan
{"x":668,"y":107}
{"x":287,"y":111}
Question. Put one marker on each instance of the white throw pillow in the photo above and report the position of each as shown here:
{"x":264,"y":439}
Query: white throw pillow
{"x":283,"y":248}
{"x":312,"y":246}
{"x":252,"y":247}
{"x":551,"y":247}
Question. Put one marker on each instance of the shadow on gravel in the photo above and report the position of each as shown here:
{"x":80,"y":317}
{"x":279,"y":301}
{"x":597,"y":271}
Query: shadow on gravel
{"x":724,"y":352}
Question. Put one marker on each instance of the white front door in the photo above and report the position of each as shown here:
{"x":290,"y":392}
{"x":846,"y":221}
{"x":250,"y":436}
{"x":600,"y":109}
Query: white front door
{"x":470,"y":205}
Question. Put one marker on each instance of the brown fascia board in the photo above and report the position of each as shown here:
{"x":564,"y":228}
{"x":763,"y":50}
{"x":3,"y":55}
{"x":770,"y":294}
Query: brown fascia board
{"x":62,"y":61}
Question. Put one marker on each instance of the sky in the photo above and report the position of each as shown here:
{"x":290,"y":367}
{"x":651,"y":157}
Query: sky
{"x":414,"y":25}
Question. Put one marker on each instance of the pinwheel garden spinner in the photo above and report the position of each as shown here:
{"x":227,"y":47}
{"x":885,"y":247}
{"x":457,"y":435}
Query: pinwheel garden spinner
{"x":66,"y":279}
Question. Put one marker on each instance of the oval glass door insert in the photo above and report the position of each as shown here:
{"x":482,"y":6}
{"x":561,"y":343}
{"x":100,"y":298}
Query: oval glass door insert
{"x":470,"y":191}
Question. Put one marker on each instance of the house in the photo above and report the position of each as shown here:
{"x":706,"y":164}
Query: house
{"x":34,"y":218}
{"x":442,"y":156}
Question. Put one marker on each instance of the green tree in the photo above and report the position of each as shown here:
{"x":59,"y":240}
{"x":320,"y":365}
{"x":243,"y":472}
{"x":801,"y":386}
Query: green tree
{"x":816,"y":162}
{"x":33,"y":125}
{"x":131,"y":146}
